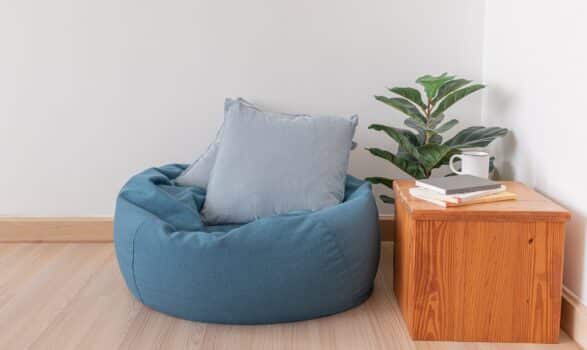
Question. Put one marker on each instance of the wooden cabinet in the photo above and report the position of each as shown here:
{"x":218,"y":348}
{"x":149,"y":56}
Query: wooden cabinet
{"x":486,"y":272}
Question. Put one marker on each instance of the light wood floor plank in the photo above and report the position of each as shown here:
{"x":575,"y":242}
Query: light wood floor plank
{"x":10,"y":252}
{"x":154,"y":330}
{"x":36,"y":304}
{"x":23,"y":268}
{"x":112,"y":322}
{"x":102,"y":300}
{"x":72,"y":296}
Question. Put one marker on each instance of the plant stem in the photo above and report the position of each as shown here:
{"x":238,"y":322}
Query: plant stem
{"x":427,"y":115}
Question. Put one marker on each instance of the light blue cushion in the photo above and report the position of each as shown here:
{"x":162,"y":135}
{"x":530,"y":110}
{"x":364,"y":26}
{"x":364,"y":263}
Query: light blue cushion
{"x":273,"y":163}
{"x":279,"y":269}
{"x":198,"y":173}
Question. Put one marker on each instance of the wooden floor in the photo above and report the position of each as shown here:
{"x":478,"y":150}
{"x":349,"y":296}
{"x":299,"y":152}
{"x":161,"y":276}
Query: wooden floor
{"x":72,"y":296}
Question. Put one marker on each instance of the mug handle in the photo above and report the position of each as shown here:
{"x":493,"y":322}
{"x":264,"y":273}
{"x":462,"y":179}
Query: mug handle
{"x":454,"y":156}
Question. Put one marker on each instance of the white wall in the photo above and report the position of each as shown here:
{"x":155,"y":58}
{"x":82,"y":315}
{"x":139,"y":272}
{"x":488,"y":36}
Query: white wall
{"x":535,"y":63}
{"x":94,"y":91}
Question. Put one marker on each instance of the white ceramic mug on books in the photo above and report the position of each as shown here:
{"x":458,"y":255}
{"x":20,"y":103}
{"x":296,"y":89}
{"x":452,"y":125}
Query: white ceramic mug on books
{"x":472,"y":163}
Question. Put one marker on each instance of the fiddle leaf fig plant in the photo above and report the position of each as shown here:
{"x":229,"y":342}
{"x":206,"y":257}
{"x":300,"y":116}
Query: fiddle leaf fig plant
{"x":422,"y":147}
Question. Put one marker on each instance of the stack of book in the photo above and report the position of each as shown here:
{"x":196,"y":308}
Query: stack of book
{"x":456,"y":191}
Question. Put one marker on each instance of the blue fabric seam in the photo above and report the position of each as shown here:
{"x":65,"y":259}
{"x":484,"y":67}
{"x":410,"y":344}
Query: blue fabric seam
{"x":337,"y":245}
{"x":132,"y":263}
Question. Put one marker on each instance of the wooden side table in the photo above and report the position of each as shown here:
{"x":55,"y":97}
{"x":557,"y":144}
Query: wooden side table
{"x":485,"y":272}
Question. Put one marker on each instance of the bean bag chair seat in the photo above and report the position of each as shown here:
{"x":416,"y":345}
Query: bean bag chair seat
{"x":283,"y":268}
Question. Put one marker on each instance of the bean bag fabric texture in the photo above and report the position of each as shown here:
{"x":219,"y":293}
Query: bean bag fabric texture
{"x":283,"y":268}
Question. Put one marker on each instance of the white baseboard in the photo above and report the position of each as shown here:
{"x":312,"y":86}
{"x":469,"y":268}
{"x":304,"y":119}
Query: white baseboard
{"x":574,"y":318}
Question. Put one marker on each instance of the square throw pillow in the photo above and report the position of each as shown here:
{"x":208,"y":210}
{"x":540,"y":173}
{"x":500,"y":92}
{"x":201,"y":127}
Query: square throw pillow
{"x":198,"y":173}
{"x":274,"y":163}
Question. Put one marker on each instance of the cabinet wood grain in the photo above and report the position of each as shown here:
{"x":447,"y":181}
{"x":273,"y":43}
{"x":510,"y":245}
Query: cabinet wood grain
{"x":487,"y":272}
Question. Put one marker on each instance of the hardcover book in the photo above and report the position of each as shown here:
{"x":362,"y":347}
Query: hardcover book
{"x":422,"y":192}
{"x":498,"y":197}
{"x":458,"y":184}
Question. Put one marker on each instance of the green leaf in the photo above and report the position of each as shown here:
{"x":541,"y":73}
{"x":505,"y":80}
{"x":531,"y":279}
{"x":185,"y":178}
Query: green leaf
{"x":414,"y":124}
{"x":383,"y":154}
{"x":404,"y":156}
{"x":403,"y":106}
{"x":475,"y":136}
{"x":405,"y":142}
{"x":410,"y":166}
{"x":435,"y":139}
{"x":436,"y":120}
{"x":447,"y":126}
{"x":409,"y":93}
{"x":432,"y":155}
{"x":386,"y":199}
{"x":454,"y":97}
{"x":380,"y":180}
{"x":413,"y":138}
{"x":406,"y":163}
{"x":421,"y":129}
{"x":431,"y":83}
{"x":449,"y":87}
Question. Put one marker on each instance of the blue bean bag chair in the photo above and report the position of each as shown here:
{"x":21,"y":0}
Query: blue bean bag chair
{"x":277,"y":269}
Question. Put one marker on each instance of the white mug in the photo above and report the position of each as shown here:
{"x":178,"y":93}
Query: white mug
{"x":472,"y":163}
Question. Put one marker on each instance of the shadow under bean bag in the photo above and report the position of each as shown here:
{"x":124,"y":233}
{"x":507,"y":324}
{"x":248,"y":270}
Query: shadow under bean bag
{"x":283,"y":268}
